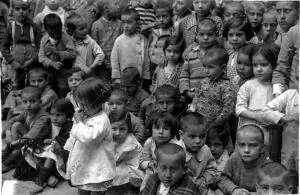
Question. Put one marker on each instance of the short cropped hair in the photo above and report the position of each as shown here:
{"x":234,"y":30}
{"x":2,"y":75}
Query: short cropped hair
{"x":131,"y":11}
{"x":235,"y":4}
{"x":64,"y":105}
{"x":254,"y":127}
{"x":273,"y":169}
{"x":52,"y":21}
{"x":219,"y":132}
{"x":42,"y":71}
{"x":32,"y":90}
{"x":208,"y":22}
{"x":165,"y":6}
{"x":192,"y":118}
{"x":73,"y":20}
{"x":73,"y":70}
{"x":130,"y":75}
{"x":216,"y":54}
{"x":171,"y":149}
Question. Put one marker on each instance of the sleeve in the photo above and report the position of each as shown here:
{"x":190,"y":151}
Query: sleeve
{"x":63,"y":135}
{"x":146,"y":64}
{"x":70,"y":52}
{"x":94,"y":33}
{"x":138,"y":128}
{"x":37,"y":36}
{"x":6,"y":44}
{"x":98,"y":53}
{"x":184,"y":79}
{"x":226,"y":184}
{"x":18,"y":118}
{"x":146,"y":156}
{"x":38,"y":20}
{"x":48,"y":99}
{"x":43,"y":59}
{"x":242,"y":99}
{"x":114,"y":59}
{"x":40,"y":128}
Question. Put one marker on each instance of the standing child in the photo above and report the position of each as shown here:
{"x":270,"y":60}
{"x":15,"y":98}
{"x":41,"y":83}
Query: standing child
{"x":255,"y":12}
{"x":200,"y":162}
{"x":130,"y":49}
{"x":89,"y":55}
{"x":181,"y":9}
{"x":233,"y":9}
{"x":127,"y":154}
{"x":57,"y":52}
{"x":90,"y":145}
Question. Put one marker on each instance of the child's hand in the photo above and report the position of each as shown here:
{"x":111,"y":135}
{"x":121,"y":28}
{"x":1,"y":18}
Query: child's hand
{"x":48,"y":141}
{"x":151,"y":166}
{"x":290,"y":118}
{"x":78,"y":115}
{"x":57,"y":65}
{"x":240,"y":191}
{"x":87,"y":70}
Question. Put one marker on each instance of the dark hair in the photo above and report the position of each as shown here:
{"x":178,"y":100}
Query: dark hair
{"x":53,"y":21}
{"x":64,"y":105}
{"x":131,"y":11}
{"x":131,"y":75}
{"x":171,"y":150}
{"x":174,"y":40}
{"x":219,"y":132}
{"x":34,"y":91}
{"x":172,"y":92}
{"x":240,"y":23}
{"x":295,"y":4}
{"x":119,"y":92}
{"x":269,"y":51}
{"x":218,"y":55}
{"x":73,"y":70}
{"x":40,"y":70}
{"x":254,"y":126}
{"x":247,"y":50}
{"x":164,"y":5}
{"x":208,"y":22}
{"x":114,"y":116}
{"x":192,"y":118}
{"x":273,"y":169}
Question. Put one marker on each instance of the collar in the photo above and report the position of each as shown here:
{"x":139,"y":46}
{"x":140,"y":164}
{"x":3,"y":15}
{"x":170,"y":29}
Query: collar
{"x":199,"y":156}
{"x":84,"y":41}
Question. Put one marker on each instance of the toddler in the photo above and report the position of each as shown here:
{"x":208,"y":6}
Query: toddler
{"x":127,"y":154}
{"x":130,"y":48}
{"x":193,"y":71}
{"x":168,"y":73}
{"x":57,"y":52}
{"x":200,"y":162}
{"x":255,"y":11}
{"x":90,"y":144}
{"x":170,"y":177}
{"x":240,"y":173}
{"x":89,"y":55}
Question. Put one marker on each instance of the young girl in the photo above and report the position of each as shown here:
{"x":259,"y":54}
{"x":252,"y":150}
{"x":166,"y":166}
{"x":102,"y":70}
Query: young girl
{"x":257,"y":92}
{"x":127,"y":154}
{"x":91,"y":164}
{"x":170,"y":71}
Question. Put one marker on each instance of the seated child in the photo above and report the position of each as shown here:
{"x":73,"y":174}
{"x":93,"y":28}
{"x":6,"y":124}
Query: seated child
{"x":200,"y":162}
{"x":75,"y":77}
{"x":127,"y":154}
{"x":274,"y":178}
{"x":33,"y":123}
{"x":117,"y":103}
{"x":89,"y":55}
{"x":171,"y":177}
{"x":57,"y":52}
{"x":131,"y":84}
{"x":241,"y":170}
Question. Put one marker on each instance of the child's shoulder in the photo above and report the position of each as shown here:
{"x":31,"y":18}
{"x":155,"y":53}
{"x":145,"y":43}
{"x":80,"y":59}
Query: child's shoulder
{"x":141,"y":94}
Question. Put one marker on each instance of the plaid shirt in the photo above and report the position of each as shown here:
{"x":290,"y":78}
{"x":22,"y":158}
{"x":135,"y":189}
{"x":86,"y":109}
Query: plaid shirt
{"x":185,"y":186}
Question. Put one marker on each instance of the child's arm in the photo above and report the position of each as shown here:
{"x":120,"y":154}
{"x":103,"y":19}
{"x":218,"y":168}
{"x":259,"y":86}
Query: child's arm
{"x":115,"y":63}
{"x":40,"y":128}
{"x":184,"y":79}
{"x":70,"y":52}
{"x":43,"y":59}
{"x":138,"y":128}
{"x":146,"y":64}
{"x":98,"y":53}
{"x":146,"y":157}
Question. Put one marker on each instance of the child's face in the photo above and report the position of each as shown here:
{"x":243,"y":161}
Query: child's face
{"x":244,"y":67}
{"x":119,"y":130}
{"x":130,"y":88}
{"x":38,"y":80}
{"x":165,"y":103}
{"x":112,"y":8}
{"x":271,"y":185}
{"x":212,"y":69}
{"x":202,"y":6}
{"x":129,"y":24}
{"x":161,"y":133}
{"x":262,"y":69}
{"x":269,"y":25}
{"x":236,"y":38}
{"x":116,"y":103}
{"x":287,"y":14}
{"x":216,"y":147}
{"x":231,"y":12}
{"x":54,"y":33}
{"x":58,"y":118}
{"x":163,"y":18}
{"x":179,"y":7}
{"x":255,"y":16}
{"x":249,"y":145}
{"x":52,"y":4}
{"x":74,"y":80}
{"x":30,"y":103}
{"x":81,"y":31}
{"x":169,"y":169}
{"x":21,"y":13}
{"x":173,"y":53}
{"x":206,"y":37}
{"x":194,"y":137}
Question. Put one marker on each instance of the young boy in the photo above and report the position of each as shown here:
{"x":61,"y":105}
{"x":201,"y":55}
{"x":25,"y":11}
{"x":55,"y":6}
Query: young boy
{"x":199,"y":160}
{"x":89,"y":54}
{"x":20,"y":43}
{"x":131,"y":83}
{"x":239,"y":175}
{"x":57,"y":52}
{"x":233,"y":9}
{"x":255,"y":11}
{"x":105,"y":31}
{"x":130,"y":49}
{"x":33,"y":123}
{"x":170,"y":177}
{"x":273,"y":178}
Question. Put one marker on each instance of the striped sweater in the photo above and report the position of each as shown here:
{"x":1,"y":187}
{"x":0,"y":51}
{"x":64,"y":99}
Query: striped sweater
{"x":147,"y":16}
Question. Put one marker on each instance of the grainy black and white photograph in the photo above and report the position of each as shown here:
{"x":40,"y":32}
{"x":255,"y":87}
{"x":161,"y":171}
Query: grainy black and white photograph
{"x":149,"y":97}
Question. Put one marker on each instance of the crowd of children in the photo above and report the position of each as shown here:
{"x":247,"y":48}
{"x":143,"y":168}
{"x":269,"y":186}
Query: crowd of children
{"x":151,"y":97}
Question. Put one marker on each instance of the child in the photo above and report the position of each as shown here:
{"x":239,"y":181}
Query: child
{"x":131,"y":84}
{"x":159,"y":35}
{"x":168,"y":73}
{"x":51,"y":7}
{"x":20,"y":43}
{"x":130,"y":49}
{"x":33,"y":123}
{"x":105,"y":31}
{"x":117,"y":103}
{"x":127,"y":154}
{"x":164,"y":129}
{"x":241,"y":170}
{"x":75,"y":77}
{"x":188,"y":28}
{"x":273,"y":178}
{"x":255,"y":11}
{"x":200,"y":162}
{"x":233,"y":9}
{"x":3,"y":19}
{"x":89,"y":54}
{"x":257,"y":92}
{"x":57,"y":52}
{"x":90,"y":144}
{"x":170,"y":177}
{"x":181,"y":9}
{"x":214,"y":98}
{"x":193,"y":71}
